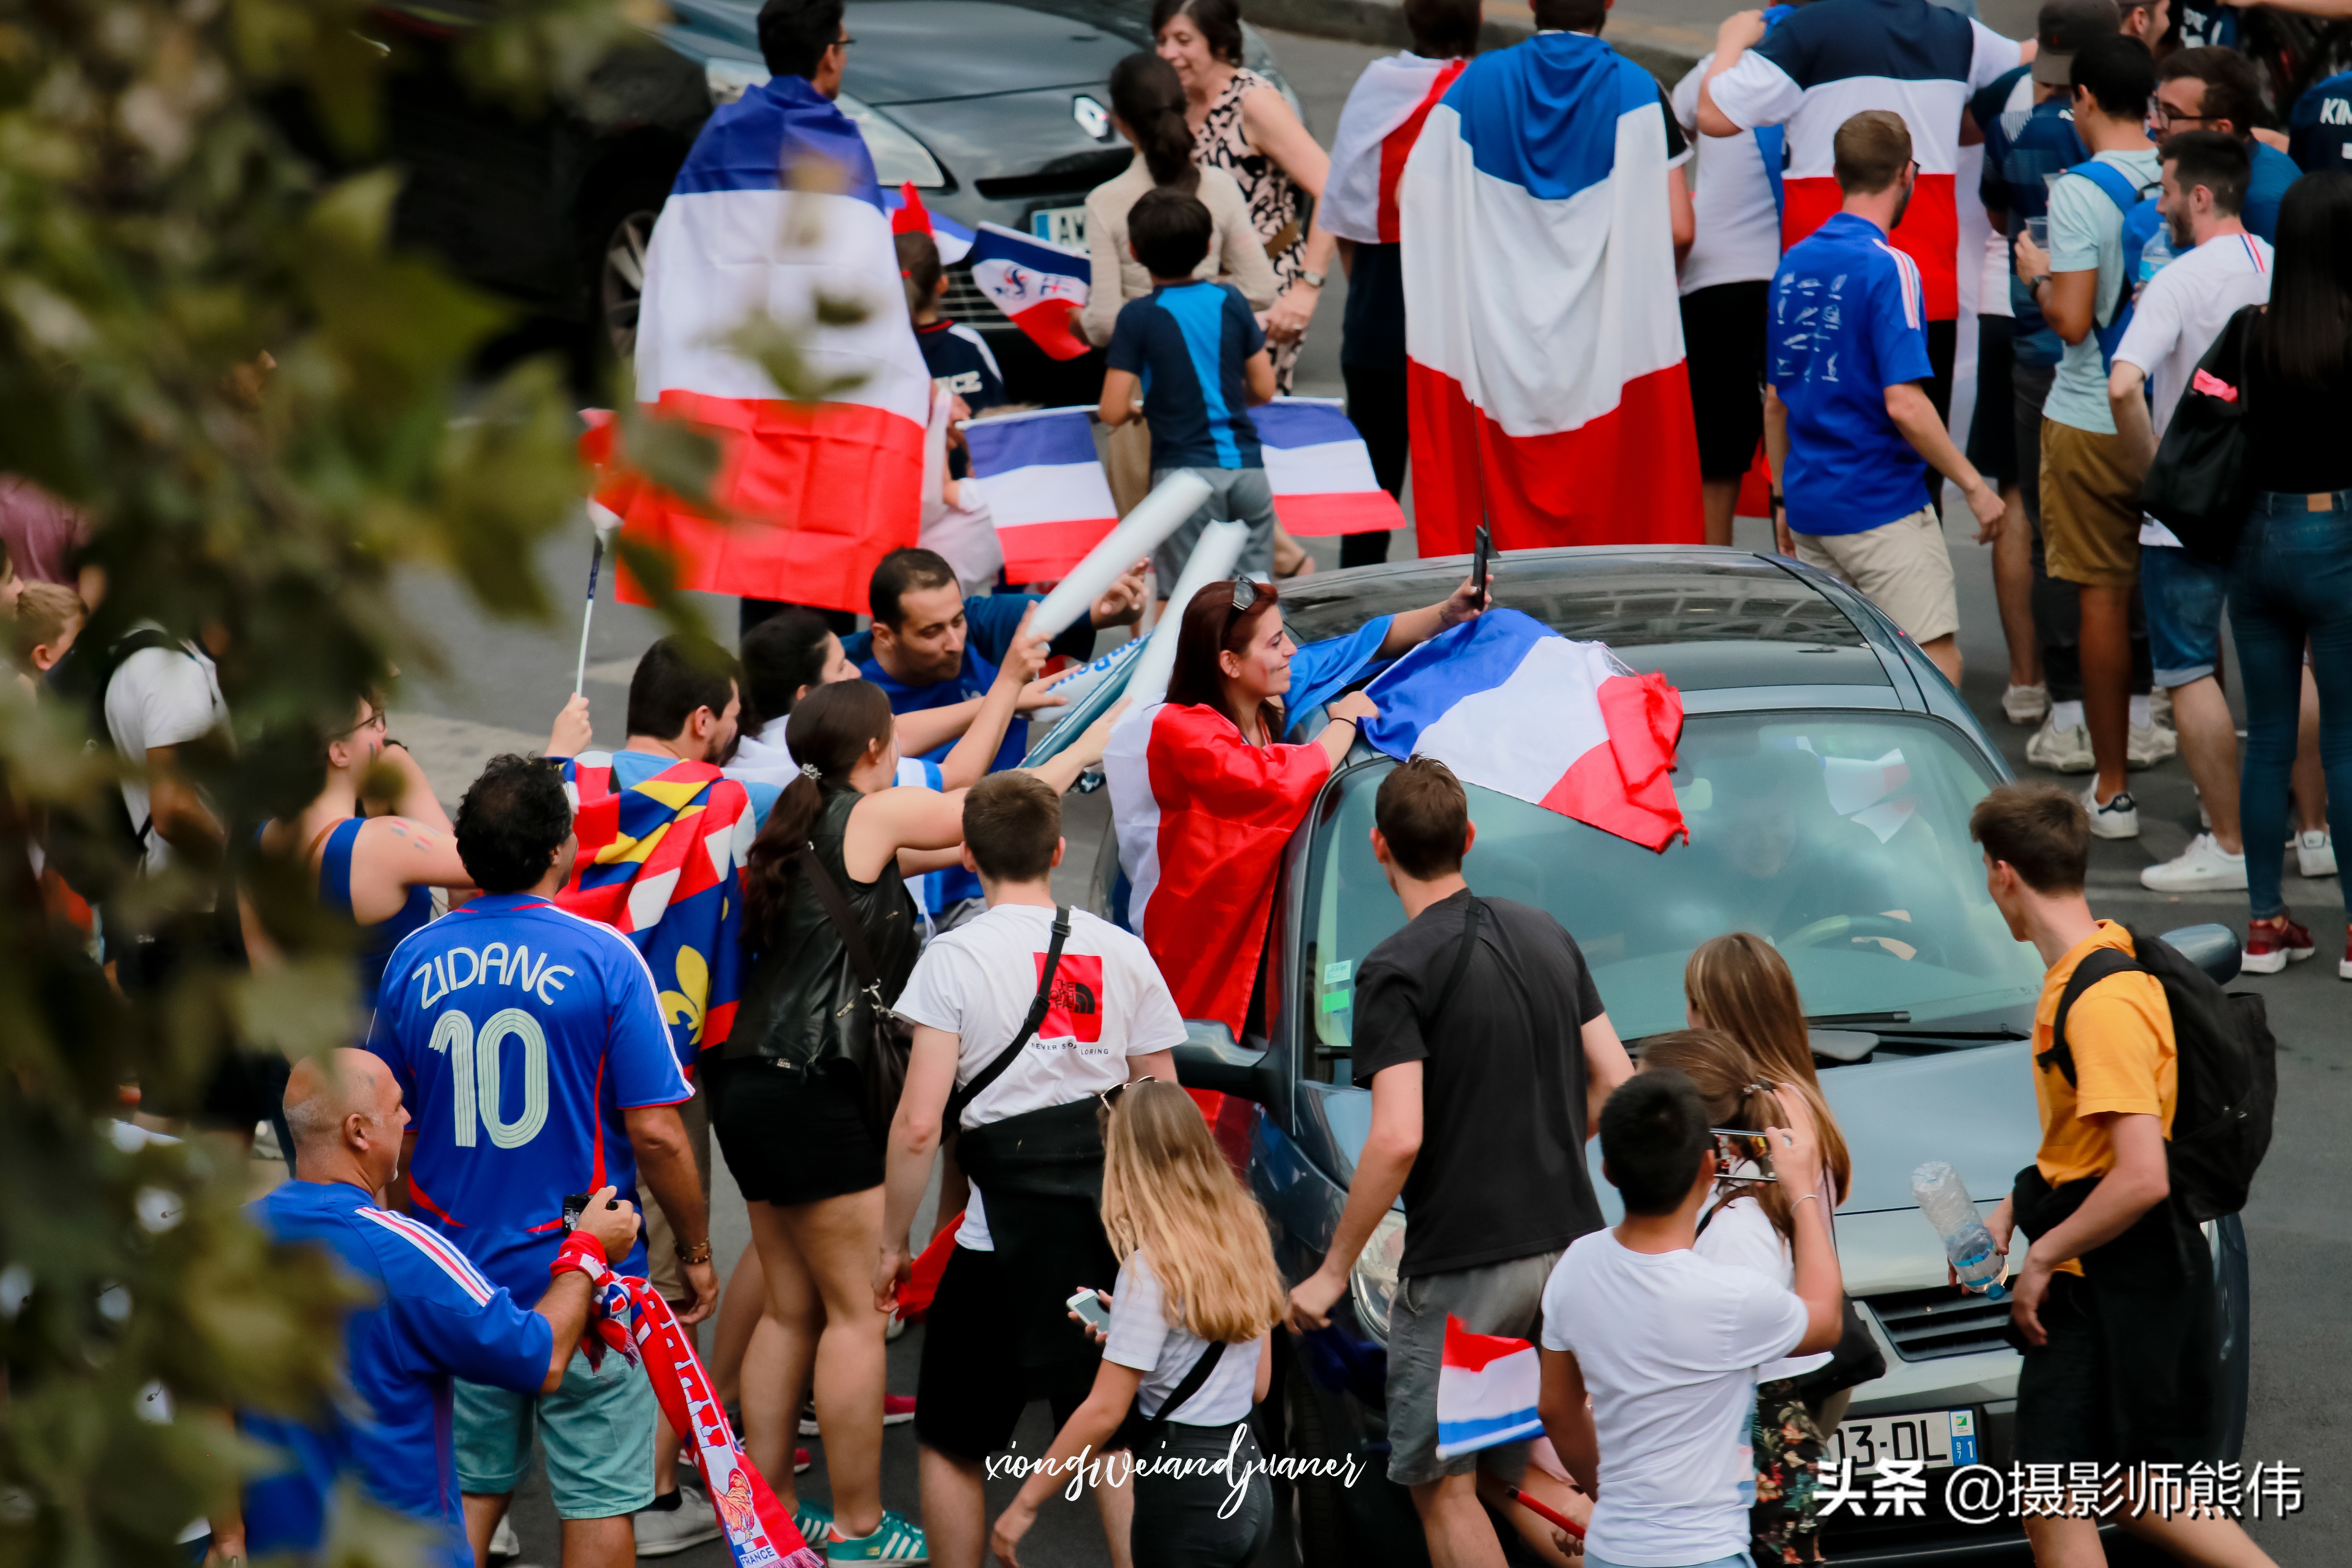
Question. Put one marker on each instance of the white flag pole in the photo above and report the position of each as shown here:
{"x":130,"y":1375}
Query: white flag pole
{"x":606,"y":521}
{"x":1155,"y":516}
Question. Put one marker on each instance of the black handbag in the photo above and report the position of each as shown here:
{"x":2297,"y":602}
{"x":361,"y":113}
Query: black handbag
{"x":893,"y":1041}
{"x":2197,"y":485}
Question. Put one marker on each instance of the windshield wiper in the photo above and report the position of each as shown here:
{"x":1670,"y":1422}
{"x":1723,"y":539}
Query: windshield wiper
{"x":1951,"y":1035}
{"x":1835,"y":1020}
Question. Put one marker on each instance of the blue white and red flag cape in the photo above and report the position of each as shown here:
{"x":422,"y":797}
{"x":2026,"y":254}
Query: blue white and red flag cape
{"x":1202,"y":818}
{"x":1044,"y":487}
{"x":1041,"y":287}
{"x":661,"y":862}
{"x":1382,"y":120}
{"x":1487,"y":1390}
{"x":1542,"y":329}
{"x":1321,"y":470}
{"x":909,"y":215}
{"x":1603,"y":753}
{"x":776,"y":208}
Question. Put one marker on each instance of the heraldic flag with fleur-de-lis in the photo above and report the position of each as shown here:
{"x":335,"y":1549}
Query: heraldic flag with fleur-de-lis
{"x":662,"y":844}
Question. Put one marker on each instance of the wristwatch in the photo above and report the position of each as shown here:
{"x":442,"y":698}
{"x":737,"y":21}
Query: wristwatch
{"x":2036,"y":281}
{"x":1312,"y":280}
{"x":699,"y":1253}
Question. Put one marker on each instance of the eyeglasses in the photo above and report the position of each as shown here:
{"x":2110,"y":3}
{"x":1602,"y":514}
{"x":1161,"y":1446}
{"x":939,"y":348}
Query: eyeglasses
{"x":2160,"y":115}
{"x":843,"y":42}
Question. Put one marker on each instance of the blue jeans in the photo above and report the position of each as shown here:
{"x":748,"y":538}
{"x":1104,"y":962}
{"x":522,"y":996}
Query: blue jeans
{"x":2291,"y":581}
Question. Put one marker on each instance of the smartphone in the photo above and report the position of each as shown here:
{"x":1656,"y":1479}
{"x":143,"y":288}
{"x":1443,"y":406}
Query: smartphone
{"x":1728,"y":1142}
{"x":1089,"y":1307}
{"x":576,"y":1203}
{"x":1481,"y":558}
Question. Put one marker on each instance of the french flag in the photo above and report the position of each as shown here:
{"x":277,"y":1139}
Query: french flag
{"x":1542,"y":331}
{"x":1319,"y":469}
{"x":1382,"y":120}
{"x":909,"y":215}
{"x":1604,"y":754}
{"x":1044,"y":487}
{"x":776,"y":210}
{"x":1487,"y":1390}
{"x":1041,"y":287}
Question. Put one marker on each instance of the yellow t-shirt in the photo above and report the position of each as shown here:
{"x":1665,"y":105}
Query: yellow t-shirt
{"x":2126,"y":1063}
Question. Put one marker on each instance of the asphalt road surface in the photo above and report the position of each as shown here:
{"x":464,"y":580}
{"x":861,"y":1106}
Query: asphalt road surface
{"x":498,"y":684}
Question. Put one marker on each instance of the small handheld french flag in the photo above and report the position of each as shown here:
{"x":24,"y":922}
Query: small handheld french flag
{"x":1041,"y":287}
{"x":1321,"y":470}
{"x":909,"y":215}
{"x":1487,"y":1388}
{"x":1045,"y":487}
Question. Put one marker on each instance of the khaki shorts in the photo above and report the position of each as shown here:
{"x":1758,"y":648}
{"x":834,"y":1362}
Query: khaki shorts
{"x":1900,"y":566}
{"x":2090,"y":507}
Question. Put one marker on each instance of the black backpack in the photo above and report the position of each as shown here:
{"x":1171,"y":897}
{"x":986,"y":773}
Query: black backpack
{"x":94,"y":846}
{"x":2228,"y":1073}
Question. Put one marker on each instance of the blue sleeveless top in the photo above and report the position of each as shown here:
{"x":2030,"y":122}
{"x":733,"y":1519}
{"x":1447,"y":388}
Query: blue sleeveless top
{"x":376,"y":941}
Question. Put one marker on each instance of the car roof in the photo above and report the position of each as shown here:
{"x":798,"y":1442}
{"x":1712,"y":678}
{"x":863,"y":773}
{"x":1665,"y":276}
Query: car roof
{"x":1706,"y":619}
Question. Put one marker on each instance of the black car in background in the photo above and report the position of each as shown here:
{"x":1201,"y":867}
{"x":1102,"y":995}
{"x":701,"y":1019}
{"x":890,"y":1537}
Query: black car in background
{"x":996,"y":109}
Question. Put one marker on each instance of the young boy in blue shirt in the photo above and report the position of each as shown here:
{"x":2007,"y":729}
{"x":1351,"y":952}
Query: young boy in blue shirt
{"x":1193,"y":349}
{"x":1848,"y":428}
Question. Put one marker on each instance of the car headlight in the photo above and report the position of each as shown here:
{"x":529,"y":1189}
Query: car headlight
{"x":899,"y":158}
{"x":728,"y":79}
{"x":1374,"y":1280}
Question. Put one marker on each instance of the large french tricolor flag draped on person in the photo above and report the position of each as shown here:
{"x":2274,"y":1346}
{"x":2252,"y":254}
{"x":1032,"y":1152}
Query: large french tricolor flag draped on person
{"x":1824,"y":63}
{"x":1041,"y":287}
{"x":776,"y":209}
{"x":1202,"y":816}
{"x":1321,"y":470}
{"x":1487,"y":1389}
{"x":1542,"y":329}
{"x":1380,"y":122}
{"x":1045,"y":489}
{"x":1604,"y":754}
{"x":661,"y":859}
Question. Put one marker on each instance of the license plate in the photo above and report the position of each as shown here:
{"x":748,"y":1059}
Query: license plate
{"x":1060,"y":225}
{"x":1942,"y":1438}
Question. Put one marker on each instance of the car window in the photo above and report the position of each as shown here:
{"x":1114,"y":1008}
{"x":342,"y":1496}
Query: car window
{"x":1843,"y":838}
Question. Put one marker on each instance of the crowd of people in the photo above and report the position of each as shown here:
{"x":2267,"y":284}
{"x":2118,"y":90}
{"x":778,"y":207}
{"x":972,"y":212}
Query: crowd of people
{"x":807,"y":910}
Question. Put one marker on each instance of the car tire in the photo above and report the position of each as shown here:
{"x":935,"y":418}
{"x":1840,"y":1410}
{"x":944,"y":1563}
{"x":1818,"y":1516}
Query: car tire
{"x":613,"y":235}
{"x":1318,"y":1507}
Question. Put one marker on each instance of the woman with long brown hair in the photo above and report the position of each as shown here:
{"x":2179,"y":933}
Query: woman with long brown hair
{"x":1197,"y":1287}
{"x":1739,"y":984}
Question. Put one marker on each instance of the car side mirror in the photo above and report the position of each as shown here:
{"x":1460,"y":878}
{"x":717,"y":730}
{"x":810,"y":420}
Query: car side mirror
{"x":2211,"y":947}
{"x":1210,"y":1058}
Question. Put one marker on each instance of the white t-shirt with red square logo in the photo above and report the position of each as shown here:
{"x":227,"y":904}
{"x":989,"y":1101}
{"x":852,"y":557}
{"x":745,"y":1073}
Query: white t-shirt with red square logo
{"x":1108,"y":1002}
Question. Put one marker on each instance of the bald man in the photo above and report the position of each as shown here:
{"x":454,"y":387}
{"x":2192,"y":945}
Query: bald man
{"x":436,"y":1319}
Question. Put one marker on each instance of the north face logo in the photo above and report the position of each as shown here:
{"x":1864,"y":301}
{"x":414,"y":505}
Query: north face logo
{"x":1073,"y":1001}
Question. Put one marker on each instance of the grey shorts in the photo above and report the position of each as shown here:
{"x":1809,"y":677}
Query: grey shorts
{"x":1495,"y":1299}
{"x":1235,"y":495}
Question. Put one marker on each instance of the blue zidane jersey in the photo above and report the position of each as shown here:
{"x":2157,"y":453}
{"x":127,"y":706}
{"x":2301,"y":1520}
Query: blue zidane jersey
{"x":1848,"y":321}
{"x":434,"y":1318}
{"x":520,"y":1032}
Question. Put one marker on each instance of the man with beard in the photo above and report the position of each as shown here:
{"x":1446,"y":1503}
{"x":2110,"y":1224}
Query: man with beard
{"x":1848,"y":427}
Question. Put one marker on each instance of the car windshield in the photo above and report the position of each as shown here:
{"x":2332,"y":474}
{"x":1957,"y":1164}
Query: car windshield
{"x":1842,"y":838}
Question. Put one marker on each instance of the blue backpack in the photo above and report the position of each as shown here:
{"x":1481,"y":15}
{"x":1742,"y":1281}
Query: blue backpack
{"x":2141,"y":220}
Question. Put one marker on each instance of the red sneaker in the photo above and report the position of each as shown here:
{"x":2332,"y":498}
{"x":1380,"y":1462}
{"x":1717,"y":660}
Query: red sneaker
{"x":898,"y":1407}
{"x":2272,"y":944}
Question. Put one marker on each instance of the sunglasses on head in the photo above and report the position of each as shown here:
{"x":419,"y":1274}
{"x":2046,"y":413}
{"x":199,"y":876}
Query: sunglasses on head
{"x":1106,"y":1098}
{"x":1247,"y":591}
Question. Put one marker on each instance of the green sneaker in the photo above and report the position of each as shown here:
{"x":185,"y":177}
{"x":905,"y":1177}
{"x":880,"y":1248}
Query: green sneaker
{"x":893,"y":1541}
{"x":815,"y":1521}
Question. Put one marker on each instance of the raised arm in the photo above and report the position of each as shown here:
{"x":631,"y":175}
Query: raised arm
{"x":1409,"y":628}
{"x":1740,"y":32}
{"x":971,"y":758}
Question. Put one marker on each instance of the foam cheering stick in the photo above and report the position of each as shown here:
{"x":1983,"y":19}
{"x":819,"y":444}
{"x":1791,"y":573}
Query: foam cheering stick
{"x":606,"y":521}
{"x":1155,"y":516}
{"x":1213,"y":561}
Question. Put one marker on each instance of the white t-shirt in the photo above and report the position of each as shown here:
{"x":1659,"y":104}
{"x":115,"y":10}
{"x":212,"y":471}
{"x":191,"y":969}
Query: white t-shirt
{"x":1740,"y":1236}
{"x":1737,"y":237}
{"x":160,"y":697}
{"x":976,"y":983}
{"x":1142,"y":1337}
{"x":2181,"y":312}
{"x":1669,"y":1344}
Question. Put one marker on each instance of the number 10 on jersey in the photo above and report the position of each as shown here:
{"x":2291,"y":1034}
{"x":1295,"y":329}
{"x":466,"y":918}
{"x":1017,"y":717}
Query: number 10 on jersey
{"x":476,"y":1069}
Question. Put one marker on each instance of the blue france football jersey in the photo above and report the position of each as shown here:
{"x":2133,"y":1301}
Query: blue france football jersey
{"x":435,"y":1318}
{"x":520,"y":1032}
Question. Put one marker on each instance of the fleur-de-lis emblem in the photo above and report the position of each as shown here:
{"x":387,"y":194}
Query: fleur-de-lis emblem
{"x":685,"y":1005}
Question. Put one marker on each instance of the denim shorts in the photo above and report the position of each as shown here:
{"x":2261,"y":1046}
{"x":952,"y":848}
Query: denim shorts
{"x":596,"y":1428}
{"x":2183,"y":594}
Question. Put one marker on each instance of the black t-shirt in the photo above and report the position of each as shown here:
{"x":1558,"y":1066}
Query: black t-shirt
{"x":1501,"y":1170}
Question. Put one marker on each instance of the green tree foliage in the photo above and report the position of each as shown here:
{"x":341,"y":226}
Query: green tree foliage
{"x":207,"y":343}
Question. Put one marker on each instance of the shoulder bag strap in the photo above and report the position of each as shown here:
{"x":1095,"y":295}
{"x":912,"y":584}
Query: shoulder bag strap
{"x":2095,"y":967}
{"x":1203,"y":1365}
{"x":846,"y":925}
{"x":1468,"y":945}
{"x":1037,"y":1006}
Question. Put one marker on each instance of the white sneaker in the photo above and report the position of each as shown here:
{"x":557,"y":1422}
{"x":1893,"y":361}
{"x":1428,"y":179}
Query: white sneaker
{"x":2150,"y":744}
{"x":2314,"y":853}
{"x":2026,"y":704}
{"x":2066,"y":751}
{"x":663,"y":1532}
{"x":2203,"y":867}
{"x":505,"y":1545}
{"x":2119,"y":819}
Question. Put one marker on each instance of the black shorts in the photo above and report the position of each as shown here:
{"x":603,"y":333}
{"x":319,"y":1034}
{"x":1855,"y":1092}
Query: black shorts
{"x":793,"y":1138}
{"x":1992,"y":429}
{"x":1723,"y":350}
{"x":970,"y":1390}
{"x":2061,"y":1386}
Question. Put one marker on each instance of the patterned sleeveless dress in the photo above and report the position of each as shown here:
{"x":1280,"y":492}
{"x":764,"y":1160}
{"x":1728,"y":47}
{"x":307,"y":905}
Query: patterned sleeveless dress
{"x":1275,"y":201}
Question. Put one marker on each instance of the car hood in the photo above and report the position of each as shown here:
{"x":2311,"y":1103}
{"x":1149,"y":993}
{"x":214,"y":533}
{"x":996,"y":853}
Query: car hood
{"x":913,"y":51}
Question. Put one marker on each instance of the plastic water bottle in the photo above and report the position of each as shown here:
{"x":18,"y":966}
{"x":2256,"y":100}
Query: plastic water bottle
{"x":2158,"y":253}
{"x":1943,"y":1197}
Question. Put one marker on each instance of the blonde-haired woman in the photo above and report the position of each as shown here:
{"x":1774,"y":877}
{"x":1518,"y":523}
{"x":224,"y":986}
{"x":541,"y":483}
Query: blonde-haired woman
{"x":1740,"y":985}
{"x":1197,"y":1289}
